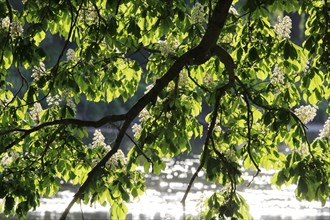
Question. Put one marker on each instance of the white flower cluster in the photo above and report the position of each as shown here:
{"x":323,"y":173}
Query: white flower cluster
{"x":5,"y":22}
{"x":88,"y":15}
{"x":217,"y":126}
{"x":230,"y":154}
{"x":64,"y":98}
{"x":137,"y":129}
{"x":144,"y":115}
{"x":208,"y":80}
{"x":200,"y":205}
{"x":35,"y":112}
{"x":169,"y":217}
{"x":197,"y":14}
{"x":70,"y":103}
{"x":304,"y":149}
{"x":306,"y":113}
{"x":113,"y":162}
{"x":307,"y":66}
{"x":9,"y":157}
{"x":283,"y":27}
{"x":53,"y":100}
{"x":38,"y":71}
{"x":16,"y":28}
{"x":91,"y":14}
{"x":232,"y":10}
{"x":4,"y":102}
{"x":226,"y":188}
{"x":325,"y":132}
{"x":184,"y":79}
{"x":98,"y":140}
{"x":278,"y":75}
{"x":71,"y":55}
{"x":67,"y":98}
{"x":166,"y":47}
{"x":228,"y":38}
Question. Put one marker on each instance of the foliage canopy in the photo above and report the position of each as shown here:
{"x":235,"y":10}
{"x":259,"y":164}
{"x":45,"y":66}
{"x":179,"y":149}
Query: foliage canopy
{"x":232,"y":56}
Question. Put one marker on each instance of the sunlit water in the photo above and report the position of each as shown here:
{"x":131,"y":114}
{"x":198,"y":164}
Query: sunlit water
{"x":162,"y":199}
{"x":164,"y":193}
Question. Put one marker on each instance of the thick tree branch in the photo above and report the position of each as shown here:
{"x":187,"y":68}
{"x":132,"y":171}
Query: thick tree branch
{"x":217,"y":22}
{"x":211,"y":36}
{"x":69,"y":121}
{"x":226,"y":59}
{"x":131,"y":114}
{"x":199,"y":53}
{"x":80,"y":123}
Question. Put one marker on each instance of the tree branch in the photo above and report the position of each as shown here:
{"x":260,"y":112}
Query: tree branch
{"x":69,"y":121}
{"x":135,"y":144}
{"x":220,"y":93}
{"x":199,"y":53}
{"x":226,"y":59}
{"x":249,"y":121}
{"x":271,"y":108}
{"x":196,"y":83}
{"x":131,"y":114}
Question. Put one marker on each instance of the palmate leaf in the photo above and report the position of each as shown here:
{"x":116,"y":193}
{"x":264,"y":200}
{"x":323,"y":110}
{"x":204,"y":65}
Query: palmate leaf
{"x":118,"y":211}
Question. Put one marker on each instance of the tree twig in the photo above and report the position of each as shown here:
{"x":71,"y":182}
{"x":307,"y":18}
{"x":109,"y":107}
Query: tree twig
{"x":136,"y":145}
{"x":271,"y":108}
{"x":196,"y":83}
{"x":249,"y":121}
{"x":220,"y":93}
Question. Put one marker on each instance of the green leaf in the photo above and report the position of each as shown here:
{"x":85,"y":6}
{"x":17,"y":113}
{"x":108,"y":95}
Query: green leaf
{"x":290,"y":51}
{"x":112,"y":26}
{"x":8,"y":59}
{"x":262,"y":75}
{"x":302,"y":187}
{"x":124,"y":194}
{"x":22,"y":208}
{"x":40,"y":36}
{"x":31,"y":94}
{"x":253,"y":54}
{"x":9,"y":204}
{"x":134,"y":29}
{"x":158,"y":167}
{"x":118,"y":211}
{"x":146,"y":165}
{"x":287,"y":49}
{"x":3,"y":190}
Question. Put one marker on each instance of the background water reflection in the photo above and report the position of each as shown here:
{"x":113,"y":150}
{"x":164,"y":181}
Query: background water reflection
{"x":162,"y":199}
